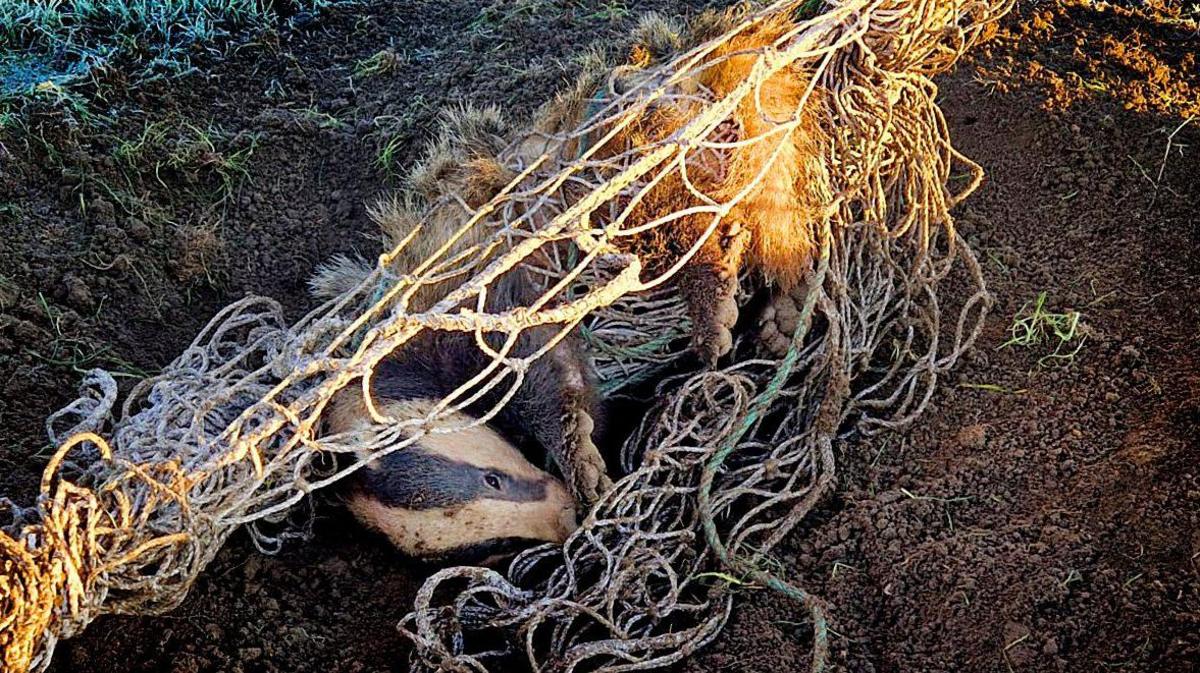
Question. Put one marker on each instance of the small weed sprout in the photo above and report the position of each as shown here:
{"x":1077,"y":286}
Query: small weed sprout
{"x":131,"y":151}
{"x":393,"y":132}
{"x":321,"y":120}
{"x":386,"y":159}
{"x":611,"y":10}
{"x":383,"y":62}
{"x":9,"y":292}
{"x":1034,"y":325}
{"x":80,"y":355}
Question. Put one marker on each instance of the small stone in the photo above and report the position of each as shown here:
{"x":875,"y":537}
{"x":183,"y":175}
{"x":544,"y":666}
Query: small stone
{"x":138,"y":230}
{"x":101,"y":210}
{"x":972,"y":436}
{"x":25,"y":331}
{"x":78,"y":293}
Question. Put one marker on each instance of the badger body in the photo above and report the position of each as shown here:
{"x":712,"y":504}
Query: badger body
{"x":782,"y":187}
{"x":779,"y":180}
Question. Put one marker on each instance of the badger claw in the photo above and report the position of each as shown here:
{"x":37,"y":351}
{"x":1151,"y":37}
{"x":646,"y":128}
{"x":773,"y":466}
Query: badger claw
{"x":712,"y":336}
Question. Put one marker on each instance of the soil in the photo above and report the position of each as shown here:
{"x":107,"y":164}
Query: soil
{"x":1041,"y":517}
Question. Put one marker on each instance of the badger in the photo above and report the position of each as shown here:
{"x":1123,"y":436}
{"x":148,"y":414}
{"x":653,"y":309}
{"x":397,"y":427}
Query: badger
{"x":554,"y":412}
{"x":472,"y":493}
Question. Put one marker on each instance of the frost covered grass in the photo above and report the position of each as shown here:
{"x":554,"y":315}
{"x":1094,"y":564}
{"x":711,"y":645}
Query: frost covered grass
{"x":55,"y":42}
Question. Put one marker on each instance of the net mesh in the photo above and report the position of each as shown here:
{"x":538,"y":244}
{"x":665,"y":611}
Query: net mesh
{"x":138,"y":499}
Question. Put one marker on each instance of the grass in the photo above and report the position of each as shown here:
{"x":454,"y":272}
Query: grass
{"x":994,"y":388}
{"x":728,"y":579}
{"x":610,"y":10}
{"x":8,"y":292}
{"x":322,"y":120}
{"x":130,"y":152}
{"x":211,"y":148}
{"x":78,"y":354}
{"x":496,"y":16}
{"x":382,"y":62}
{"x":393,"y":134}
{"x":1073,"y":577}
{"x":386,"y":158}
{"x":61,"y":41}
{"x":190,"y":149}
{"x":1036,"y":326}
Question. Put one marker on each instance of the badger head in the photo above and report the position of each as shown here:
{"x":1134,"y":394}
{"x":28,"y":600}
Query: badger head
{"x":461,"y":493}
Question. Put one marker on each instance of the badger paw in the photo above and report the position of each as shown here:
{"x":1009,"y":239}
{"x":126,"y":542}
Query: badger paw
{"x":585,"y":471}
{"x":712,"y":295}
{"x":712,"y":334}
{"x":780,"y":320}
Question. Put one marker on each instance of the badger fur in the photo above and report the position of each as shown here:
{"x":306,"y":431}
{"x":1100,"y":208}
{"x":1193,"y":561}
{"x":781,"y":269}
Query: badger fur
{"x":771,"y":230}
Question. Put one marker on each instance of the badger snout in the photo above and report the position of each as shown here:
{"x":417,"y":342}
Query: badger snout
{"x":561,"y":511}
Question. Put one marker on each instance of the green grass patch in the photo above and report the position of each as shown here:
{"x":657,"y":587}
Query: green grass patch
{"x":80,"y":355}
{"x":197,"y":154}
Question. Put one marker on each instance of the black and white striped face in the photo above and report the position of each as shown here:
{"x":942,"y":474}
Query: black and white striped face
{"x":462,"y":496}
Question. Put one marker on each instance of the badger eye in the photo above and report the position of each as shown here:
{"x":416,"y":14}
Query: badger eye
{"x":492,"y":480}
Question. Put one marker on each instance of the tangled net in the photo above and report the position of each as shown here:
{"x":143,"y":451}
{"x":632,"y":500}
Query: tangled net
{"x":725,"y":465}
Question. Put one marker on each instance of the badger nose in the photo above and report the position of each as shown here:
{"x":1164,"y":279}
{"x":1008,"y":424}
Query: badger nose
{"x":565,"y":522}
{"x":568,"y":521}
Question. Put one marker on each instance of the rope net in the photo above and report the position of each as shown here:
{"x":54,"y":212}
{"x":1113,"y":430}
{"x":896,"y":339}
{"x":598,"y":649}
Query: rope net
{"x":137,"y":500}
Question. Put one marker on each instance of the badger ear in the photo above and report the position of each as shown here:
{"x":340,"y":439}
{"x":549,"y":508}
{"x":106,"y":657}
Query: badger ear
{"x":477,"y":131}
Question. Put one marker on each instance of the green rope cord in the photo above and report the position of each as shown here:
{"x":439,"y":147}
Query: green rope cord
{"x":758,"y":407}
